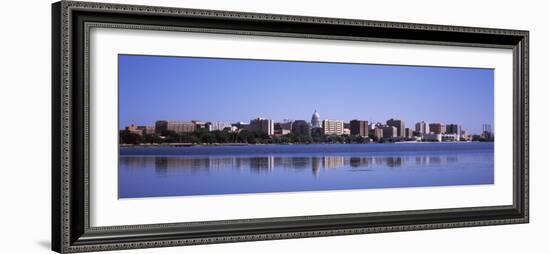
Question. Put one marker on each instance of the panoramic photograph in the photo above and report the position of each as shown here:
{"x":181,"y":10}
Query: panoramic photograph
{"x":193,"y":126}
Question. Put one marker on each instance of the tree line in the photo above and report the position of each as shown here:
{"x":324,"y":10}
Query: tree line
{"x":244,"y":136}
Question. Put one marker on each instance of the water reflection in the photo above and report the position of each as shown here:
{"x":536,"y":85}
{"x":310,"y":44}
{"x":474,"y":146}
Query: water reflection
{"x":263,"y":164}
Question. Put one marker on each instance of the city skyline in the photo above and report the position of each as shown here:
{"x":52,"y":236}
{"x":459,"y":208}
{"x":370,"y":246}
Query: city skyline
{"x":181,"y":88}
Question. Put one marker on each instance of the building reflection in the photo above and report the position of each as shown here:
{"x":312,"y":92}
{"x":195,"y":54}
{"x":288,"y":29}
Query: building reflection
{"x":270,"y":163}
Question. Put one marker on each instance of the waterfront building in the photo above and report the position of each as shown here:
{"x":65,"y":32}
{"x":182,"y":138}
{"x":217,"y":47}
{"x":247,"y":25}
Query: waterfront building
{"x":163,"y":126}
{"x":333,"y":127}
{"x":438,"y":128}
{"x":463,"y":134}
{"x":261,"y":125}
{"x":149,"y":130}
{"x":453,"y":129}
{"x":301,"y":127}
{"x":408,"y":133}
{"x":372,"y":126}
{"x":399,"y":125}
{"x":200,"y":125}
{"x":316,"y":120}
{"x":450,"y":137}
{"x":140,"y":130}
{"x":280,"y":129}
{"x":389,"y":131}
{"x":135,"y":129}
{"x":360,"y":128}
{"x":346,"y":132}
{"x":378,"y":133}
{"x":240,"y":125}
{"x":218,"y":126}
{"x":287,"y":124}
{"x":432,"y":137}
{"x":421,"y":128}
{"x":346,"y":125}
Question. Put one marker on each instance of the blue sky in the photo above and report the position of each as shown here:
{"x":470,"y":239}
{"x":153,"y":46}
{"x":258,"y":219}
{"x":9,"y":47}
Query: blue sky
{"x":181,"y":88}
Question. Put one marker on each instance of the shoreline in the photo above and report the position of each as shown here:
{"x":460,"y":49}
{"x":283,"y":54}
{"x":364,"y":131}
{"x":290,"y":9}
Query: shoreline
{"x":164,"y":145}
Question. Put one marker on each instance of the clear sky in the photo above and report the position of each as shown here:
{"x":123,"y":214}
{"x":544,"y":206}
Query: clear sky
{"x":155,"y":88}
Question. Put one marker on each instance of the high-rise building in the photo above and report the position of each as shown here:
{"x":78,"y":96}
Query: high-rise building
{"x":333,"y":127}
{"x":261,"y":125}
{"x":399,"y":125}
{"x":358,"y":127}
{"x":389,"y":131}
{"x":163,"y":126}
{"x":316,"y":120}
{"x":301,"y":127}
{"x":438,"y":128}
{"x":408,"y":133}
{"x":422,"y":128}
{"x":453,"y":129}
{"x":378,"y":133}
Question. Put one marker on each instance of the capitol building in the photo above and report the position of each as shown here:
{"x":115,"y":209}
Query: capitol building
{"x":316,"y":120}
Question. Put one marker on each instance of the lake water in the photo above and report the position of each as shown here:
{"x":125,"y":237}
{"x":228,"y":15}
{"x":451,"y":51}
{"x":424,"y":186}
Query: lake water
{"x":213,"y":170}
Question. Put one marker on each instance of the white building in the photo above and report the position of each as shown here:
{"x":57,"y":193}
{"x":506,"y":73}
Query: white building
{"x":218,"y":126}
{"x":333,"y":127}
{"x":346,"y":131}
{"x":450,"y":137}
{"x":422,"y":128}
{"x":316,"y":120}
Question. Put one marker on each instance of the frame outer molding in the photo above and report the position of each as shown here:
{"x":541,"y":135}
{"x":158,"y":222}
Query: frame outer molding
{"x":63,"y":110}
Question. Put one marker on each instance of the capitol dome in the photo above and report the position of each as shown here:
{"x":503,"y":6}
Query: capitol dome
{"x":316,"y":120}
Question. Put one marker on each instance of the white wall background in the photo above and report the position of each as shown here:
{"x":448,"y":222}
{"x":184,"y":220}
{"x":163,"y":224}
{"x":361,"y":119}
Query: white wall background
{"x":25,"y":125}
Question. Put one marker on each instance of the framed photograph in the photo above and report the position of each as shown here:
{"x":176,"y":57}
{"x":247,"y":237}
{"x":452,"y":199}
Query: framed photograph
{"x":182,"y":126}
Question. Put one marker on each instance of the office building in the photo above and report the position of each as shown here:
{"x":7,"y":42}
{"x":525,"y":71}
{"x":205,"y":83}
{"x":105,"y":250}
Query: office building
{"x":360,"y":128}
{"x":378,"y":133}
{"x":408,"y":133}
{"x":454,"y":129}
{"x":262,"y":125}
{"x":218,"y":126}
{"x":438,"y":128}
{"x":161,"y":127}
{"x":199,"y":125}
{"x":399,"y":125}
{"x":333,"y":127}
{"x":389,"y":131}
{"x":422,"y":128}
{"x":432,"y":137}
{"x":280,"y":129}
